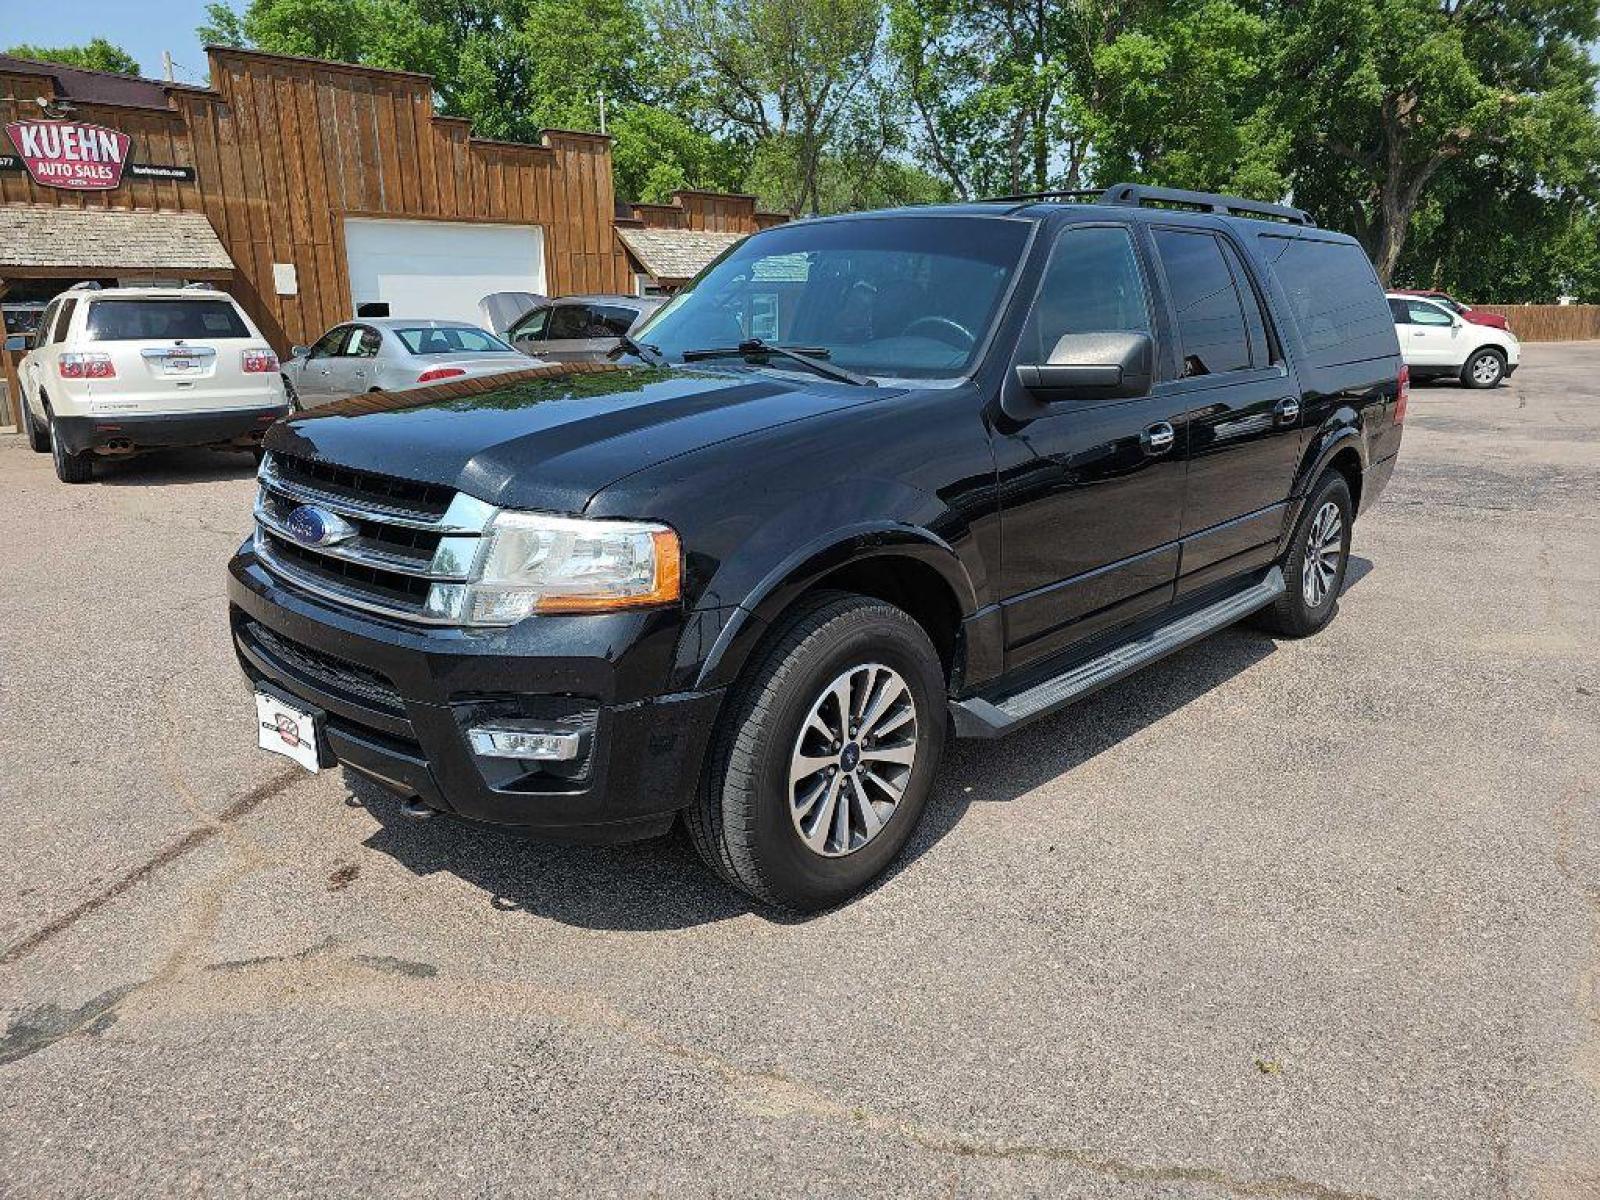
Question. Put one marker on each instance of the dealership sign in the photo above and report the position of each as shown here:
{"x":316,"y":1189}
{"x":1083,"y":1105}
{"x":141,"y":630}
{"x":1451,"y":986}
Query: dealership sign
{"x":71,"y":154}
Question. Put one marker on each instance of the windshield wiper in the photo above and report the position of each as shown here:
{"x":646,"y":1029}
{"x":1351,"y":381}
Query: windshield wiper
{"x":809,"y":356}
{"x":642,"y":350}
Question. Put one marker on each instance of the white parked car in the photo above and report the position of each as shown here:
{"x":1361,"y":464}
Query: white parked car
{"x":1437,"y":343}
{"x":118,"y":371}
{"x":391,"y":354}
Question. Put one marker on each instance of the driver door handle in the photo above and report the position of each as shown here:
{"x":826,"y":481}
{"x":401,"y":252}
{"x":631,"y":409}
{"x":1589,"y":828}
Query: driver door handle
{"x":1158,"y":438}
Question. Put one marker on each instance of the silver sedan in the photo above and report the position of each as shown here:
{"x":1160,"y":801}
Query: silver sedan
{"x":391,"y":354}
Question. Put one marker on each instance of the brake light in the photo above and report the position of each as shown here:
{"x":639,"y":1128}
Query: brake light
{"x":260,"y":362}
{"x":1405,"y":394}
{"x":440,"y":373}
{"x":86,"y":366}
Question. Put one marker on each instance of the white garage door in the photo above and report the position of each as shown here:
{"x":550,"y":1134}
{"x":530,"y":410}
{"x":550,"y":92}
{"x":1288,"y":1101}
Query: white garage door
{"x":440,"y":268}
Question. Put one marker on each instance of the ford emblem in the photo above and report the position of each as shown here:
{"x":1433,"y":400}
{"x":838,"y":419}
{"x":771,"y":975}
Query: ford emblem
{"x":313,"y":526}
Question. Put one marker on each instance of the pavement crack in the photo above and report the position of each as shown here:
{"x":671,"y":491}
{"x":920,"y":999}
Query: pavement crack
{"x":162,"y":858}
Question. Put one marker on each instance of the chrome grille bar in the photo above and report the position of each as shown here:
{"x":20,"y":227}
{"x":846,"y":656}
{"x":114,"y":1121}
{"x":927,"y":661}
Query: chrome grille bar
{"x":453,"y":561}
{"x":466,"y":514}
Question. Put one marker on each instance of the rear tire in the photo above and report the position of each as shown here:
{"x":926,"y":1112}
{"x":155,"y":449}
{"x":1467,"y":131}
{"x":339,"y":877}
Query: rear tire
{"x":38,"y":438}
{"x":70,"y":468}
{"x":792,"y":814}
{"x":1315,"y":564}
{"x":1485,"y":368}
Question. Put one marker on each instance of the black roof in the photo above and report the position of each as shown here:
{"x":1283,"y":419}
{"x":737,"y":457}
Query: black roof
{"x":90,"y":87}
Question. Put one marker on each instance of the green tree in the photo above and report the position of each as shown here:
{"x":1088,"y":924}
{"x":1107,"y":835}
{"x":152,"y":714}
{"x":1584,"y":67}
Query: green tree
{"x":1382,"y":96}
{"x":775,"y":73}
{"x":94,"y":55}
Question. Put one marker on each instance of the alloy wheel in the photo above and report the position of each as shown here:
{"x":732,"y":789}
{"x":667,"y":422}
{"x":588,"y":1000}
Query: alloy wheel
{"x":1485,"y":369}
{"x":852,"y":760}
{"x":1324,"y":547}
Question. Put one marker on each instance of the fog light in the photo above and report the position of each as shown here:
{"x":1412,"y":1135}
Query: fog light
{"x":532,"y":743}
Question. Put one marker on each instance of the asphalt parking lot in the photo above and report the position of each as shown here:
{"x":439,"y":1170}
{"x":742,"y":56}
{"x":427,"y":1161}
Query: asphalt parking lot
{"x":1315,"y":919}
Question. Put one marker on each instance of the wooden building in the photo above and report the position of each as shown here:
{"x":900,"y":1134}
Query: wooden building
{"x":327,"y":190}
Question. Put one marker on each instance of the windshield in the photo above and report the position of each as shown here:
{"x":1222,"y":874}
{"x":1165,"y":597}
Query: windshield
{"x":451,"y":339}
{"x":151,"y":320}
{"x":904,"y":297}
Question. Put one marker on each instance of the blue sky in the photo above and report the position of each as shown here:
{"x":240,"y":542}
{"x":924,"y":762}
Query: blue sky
{"x":144,"y":28}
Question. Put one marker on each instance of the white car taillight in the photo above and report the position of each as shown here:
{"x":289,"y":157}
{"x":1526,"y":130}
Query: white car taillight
{"x":86,"y":366}
{"x":260,"y":362}
{"x":1404,"y":394}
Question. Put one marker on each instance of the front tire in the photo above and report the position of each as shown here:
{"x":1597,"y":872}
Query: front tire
{"x":823,"y":761}
{"x":1485,"y":369}
{"x":70,"y":468}
{"x":1315,"y":565}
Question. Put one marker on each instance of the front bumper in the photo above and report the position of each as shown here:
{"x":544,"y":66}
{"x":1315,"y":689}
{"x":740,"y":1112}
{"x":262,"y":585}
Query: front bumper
{"x":399,"y":699}
{"x":142,"y":431}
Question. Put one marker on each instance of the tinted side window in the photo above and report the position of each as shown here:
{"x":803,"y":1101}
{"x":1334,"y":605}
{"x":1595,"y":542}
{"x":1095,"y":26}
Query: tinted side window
{"x":1255,"y":320}
{"x":1400,"y":311}
{"x":63,"y":320}
{"x":1334,"y":298}
{"x":611,"y":320}
{"x":568,"y":321}
{"x":1092,"y":284}
{"x":1211,"y":327}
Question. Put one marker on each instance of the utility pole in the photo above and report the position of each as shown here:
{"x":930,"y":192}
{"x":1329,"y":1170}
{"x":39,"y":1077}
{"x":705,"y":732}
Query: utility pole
{"x":166,"y":66}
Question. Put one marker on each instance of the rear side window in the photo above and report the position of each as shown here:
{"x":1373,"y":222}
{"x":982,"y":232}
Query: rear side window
{"x":1091,"y":285}
{"x":1334,"y":298}
{"x":153,"y":320}
{"x":612,"y":319}
{"x":63,"y":321}
{"x":1212,"y":333}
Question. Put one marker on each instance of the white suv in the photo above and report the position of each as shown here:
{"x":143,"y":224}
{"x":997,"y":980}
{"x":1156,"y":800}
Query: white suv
{"x":1436,"y":342}
{"x":117,"y":371}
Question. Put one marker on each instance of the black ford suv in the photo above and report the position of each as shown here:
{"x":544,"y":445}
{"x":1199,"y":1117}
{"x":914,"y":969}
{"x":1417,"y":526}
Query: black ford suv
{"x":868,"y":480}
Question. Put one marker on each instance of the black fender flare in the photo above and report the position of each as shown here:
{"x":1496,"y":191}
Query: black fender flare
{"x":1329,"y":443}
{"x":803,"y":567}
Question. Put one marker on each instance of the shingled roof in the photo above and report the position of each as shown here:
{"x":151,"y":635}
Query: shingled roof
{"x":675,"y":255}
{"x":39,"y":239}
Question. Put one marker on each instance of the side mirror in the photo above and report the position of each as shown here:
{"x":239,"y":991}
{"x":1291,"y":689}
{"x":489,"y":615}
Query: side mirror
{"x":299,"y":351}
{"x":1089,"y":366}
{"x":18,"y":343}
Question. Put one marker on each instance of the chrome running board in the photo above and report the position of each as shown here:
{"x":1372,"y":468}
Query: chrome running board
{"x":981,"y":718}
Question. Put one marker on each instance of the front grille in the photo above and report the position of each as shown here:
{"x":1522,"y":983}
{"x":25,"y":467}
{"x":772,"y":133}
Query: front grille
{"x":332,"y":674}
{"x":368,"y":487}
{"x":402,"y":539}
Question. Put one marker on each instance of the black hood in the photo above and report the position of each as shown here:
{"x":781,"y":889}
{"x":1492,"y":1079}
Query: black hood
{"x":551,"y":437}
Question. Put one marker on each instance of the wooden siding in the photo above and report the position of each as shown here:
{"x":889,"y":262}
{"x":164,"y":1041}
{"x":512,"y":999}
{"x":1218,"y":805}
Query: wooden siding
{"x":1549,"y":322}
{"x":285,"y":149}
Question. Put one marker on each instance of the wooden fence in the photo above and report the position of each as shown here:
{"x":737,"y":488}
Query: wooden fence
{"x":1549,"y":322}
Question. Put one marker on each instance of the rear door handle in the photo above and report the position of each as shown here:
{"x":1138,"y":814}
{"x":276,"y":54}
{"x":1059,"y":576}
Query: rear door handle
{"x":1158,"y":438}
{"x":1288,"y":411}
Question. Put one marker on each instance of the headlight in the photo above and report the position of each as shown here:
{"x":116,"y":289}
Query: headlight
{"x":541,"y":564}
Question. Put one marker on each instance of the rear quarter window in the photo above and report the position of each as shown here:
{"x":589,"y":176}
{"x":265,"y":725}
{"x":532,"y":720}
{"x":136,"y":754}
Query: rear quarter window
{"x":1335,"y":299}
{"x":156,"y":320}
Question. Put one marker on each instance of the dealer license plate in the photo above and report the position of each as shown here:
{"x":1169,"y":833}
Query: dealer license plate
{"x":287,"y":730}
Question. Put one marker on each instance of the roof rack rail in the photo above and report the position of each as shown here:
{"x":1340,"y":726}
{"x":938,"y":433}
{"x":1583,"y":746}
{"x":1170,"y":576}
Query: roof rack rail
{"x":1137,"y":195}
{"x":1022,"y":197}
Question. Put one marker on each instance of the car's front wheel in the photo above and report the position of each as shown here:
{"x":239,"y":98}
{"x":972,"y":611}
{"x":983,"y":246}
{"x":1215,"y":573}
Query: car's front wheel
{"x":824,"y":759}
{"x":1484,"y":369}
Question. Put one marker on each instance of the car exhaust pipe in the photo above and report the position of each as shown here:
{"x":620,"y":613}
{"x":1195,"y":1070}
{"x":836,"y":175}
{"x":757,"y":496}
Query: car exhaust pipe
{"x":416,"y":809}
{"x":119,"y":446}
